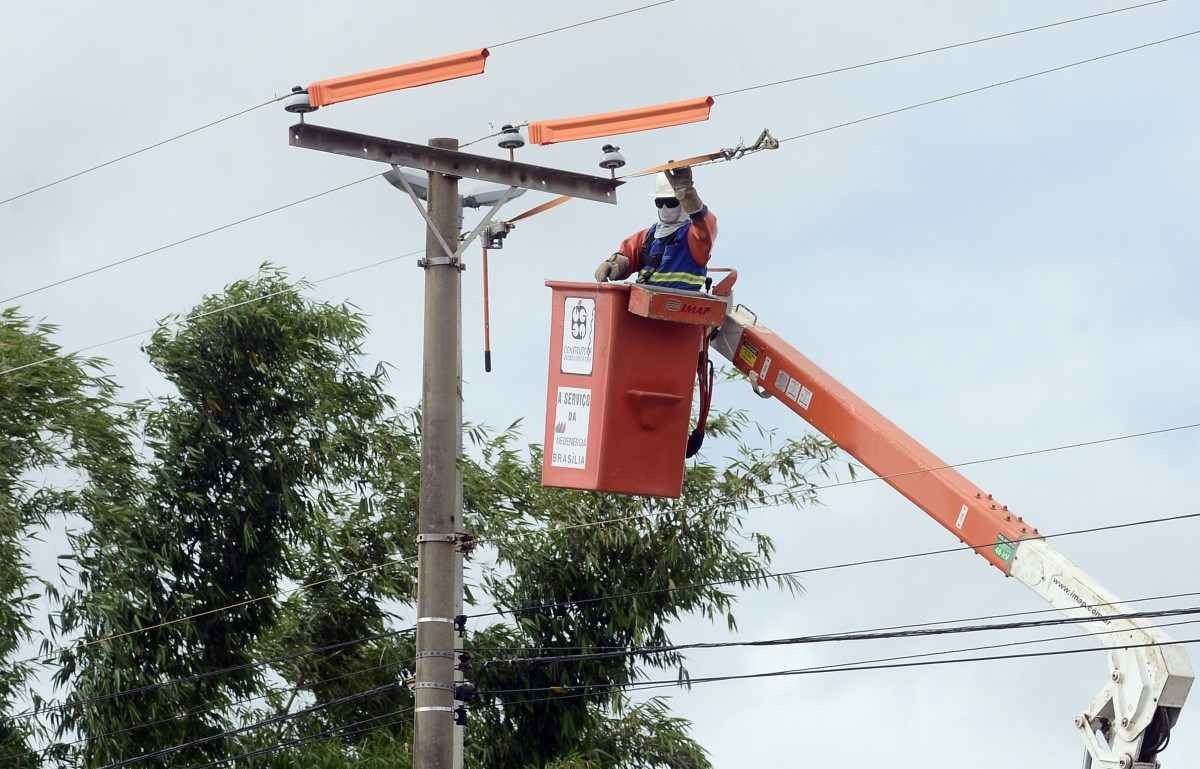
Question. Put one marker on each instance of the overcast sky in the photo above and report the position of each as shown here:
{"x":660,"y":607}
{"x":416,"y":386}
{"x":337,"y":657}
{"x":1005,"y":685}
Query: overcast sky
{"x":1007,"y":271}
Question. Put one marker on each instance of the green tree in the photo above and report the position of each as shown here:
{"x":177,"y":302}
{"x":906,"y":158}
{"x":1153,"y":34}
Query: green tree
{"x":279,"y":461}
{"x":64,"y":450}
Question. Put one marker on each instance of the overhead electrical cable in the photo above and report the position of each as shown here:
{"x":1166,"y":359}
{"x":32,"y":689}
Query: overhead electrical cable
{"x":140,"y":150}
{"x":345,"y":730}
{"x":578,"y":24}
{"x":184,"y":320}
{"x":636,"y":516}
{"x":869,"y":634}
{"x":990,"y":86}
{"x":635,"y":685}
{"x":828,"y":567}
{"x":584,"y":651}
{"x":849,"y":637}
{"x":110,"y":265}
{"x":159,"y":249}
{"x":210,"y":673}
{"x":277,"y":99}
{"x":273,"y":720}
{"x":284,"y":717}
{"x":937,"y":49}
{"x":305,"y":685}
{"x":209,"y":612}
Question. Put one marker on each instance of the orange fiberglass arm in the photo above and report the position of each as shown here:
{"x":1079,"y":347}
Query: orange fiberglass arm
{"x":1128,"y":721}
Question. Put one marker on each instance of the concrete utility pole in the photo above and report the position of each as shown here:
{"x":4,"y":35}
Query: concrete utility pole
{"x":441,"y":483}
{"x":441,"y":539}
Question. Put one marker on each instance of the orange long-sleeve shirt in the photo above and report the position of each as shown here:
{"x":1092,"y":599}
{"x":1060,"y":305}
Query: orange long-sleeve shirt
{"x":701,"y":236}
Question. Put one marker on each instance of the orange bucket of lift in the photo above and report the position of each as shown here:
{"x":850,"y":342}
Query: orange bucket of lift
{"x":619,"y":397}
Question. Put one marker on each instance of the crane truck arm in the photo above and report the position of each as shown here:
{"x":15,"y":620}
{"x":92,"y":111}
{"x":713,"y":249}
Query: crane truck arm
{"x":1128,"y":721}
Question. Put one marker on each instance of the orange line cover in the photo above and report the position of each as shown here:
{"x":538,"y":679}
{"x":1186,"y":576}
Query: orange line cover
{"x":623,"y":122}
{"x":336,"y":89}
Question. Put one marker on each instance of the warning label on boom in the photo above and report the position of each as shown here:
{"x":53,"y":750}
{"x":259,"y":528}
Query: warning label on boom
{"x":572,"y":411}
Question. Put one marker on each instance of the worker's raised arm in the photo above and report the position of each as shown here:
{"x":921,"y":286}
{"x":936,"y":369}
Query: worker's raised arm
{"x":701,"y":235}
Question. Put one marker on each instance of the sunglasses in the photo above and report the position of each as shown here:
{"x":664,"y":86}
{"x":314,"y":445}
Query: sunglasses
{"x":666,"y":203}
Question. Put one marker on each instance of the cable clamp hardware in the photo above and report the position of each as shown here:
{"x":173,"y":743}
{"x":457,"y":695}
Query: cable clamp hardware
{"x":441,"y":261}
{"x":466,"y":542}
{"x":765,"y":141}
{"x":464,"y":662}
{"x":460,"y":624}
{"x":460,"y":715}
{"x":440,"y":653}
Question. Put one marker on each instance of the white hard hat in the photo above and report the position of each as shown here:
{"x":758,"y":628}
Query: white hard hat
{"x":662,"y":186}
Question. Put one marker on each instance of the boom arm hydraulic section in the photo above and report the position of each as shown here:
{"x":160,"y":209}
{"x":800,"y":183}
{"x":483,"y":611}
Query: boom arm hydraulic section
{"x":1127,"y":723}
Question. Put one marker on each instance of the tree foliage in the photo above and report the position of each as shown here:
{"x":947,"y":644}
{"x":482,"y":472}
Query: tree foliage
{"x":279,"y":477}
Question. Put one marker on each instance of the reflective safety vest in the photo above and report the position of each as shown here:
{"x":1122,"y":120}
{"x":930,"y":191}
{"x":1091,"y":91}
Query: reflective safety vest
{"x":668,"y":262}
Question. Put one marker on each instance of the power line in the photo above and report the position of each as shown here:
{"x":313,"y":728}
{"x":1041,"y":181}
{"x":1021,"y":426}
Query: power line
{"x":394,"y":718}
{"x":619,"y":519}
{"x":1017,"y":455}
{"x":636,"y":685}
{"x":847,"y":637}
{"x":588,"y":600}
{"x":200,"y":711}
{"x":140,"y":150}
{"x":209,"y":612}
{"x":217,"y":311}
{"x":989,"y":86}
{"x":181,"y":241}
{"x":580,"y":24}
{"x":828,"y":567}
{"x":212,"y":673}
{"x":110,"y":265}
{"x":843,"y":636}
{"x":783,"y":496}
{"x":277,"y":719}
{"x":938,"y":49}
{"x":927,"y":623}
{"x":276,"y":99}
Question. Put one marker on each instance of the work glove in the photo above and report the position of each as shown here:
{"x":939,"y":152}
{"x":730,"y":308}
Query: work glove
{"x":685,"y":190}
{"x":615,"y":267}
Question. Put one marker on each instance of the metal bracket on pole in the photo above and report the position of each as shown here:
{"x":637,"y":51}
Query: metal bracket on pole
{"x":421,"y":538}
{"x":451,"y":255}
{"x":435,"y":653}
{"x":508,"y":195}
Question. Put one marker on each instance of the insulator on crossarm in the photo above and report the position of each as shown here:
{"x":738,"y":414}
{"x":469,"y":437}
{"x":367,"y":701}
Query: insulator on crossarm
{"x":612,"y":159}
{"x":510,"y":138}
{"x":297,"y":101}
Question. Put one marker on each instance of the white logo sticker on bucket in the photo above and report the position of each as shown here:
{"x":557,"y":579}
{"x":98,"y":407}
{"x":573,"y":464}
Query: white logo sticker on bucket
{"x":572,"y":412}
{"x":579,"y":335}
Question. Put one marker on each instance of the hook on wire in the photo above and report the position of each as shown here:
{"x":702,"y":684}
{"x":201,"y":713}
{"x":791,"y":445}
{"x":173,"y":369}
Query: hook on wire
{"x":765,"y":141}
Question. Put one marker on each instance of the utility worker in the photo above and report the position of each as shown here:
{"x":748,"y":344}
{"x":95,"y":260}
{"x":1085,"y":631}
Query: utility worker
{"x":673,"y":252}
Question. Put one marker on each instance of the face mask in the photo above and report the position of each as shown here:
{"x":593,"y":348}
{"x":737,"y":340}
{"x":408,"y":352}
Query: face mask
{"x":670,"y":215}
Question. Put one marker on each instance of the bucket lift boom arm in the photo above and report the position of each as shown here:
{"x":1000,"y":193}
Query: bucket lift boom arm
{"x":1127,"y":722}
